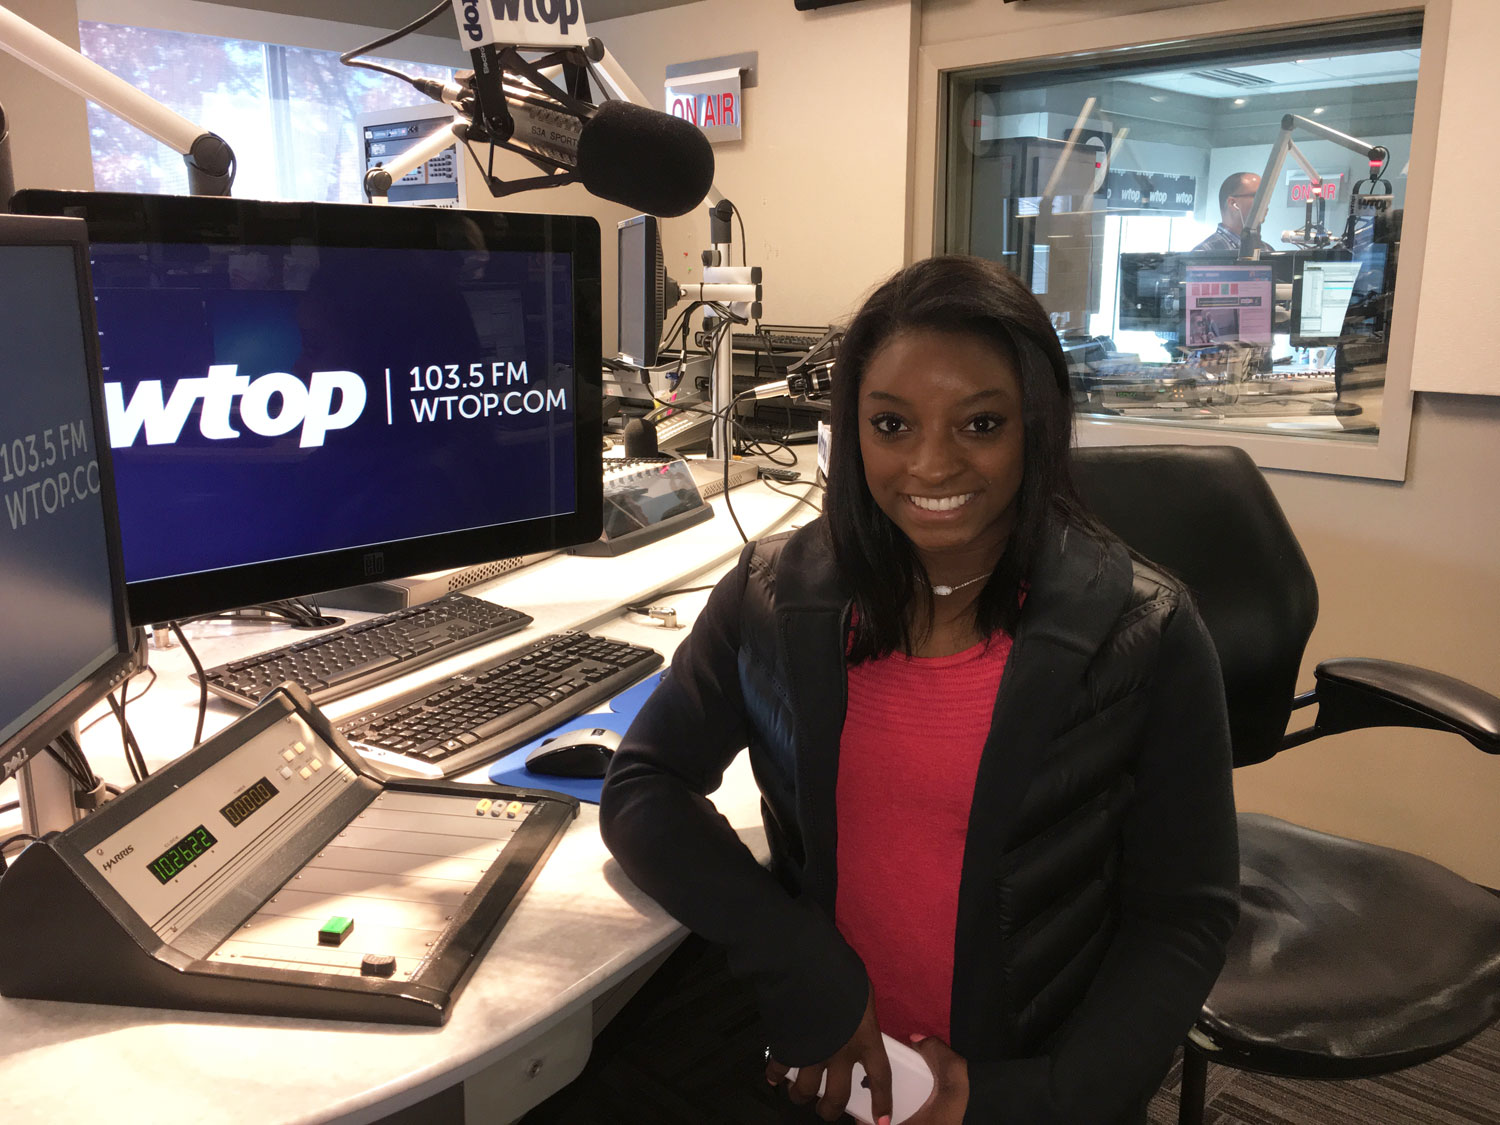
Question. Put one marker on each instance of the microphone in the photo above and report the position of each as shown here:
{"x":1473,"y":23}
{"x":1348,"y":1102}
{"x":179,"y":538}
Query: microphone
{"x":647,"y":160}
{"x":640,"y":438}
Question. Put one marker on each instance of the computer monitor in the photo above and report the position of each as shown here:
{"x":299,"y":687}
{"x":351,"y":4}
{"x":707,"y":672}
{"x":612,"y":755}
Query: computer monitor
{"x":386,"y":133}
{"x":1228,"y":304}
{"x":303,"y":397}
{"x":642,"y":283}
{"x":1153,"y":297}
{"x":62,"y":598}
{"x":1322,"y":291}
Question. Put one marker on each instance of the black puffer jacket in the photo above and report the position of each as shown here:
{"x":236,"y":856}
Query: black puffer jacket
{"x":1100,"y":874}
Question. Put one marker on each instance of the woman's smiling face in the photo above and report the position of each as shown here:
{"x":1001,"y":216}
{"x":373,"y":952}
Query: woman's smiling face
{"x":943,"y":445}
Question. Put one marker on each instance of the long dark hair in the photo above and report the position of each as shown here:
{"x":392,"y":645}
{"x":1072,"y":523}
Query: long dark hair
{"x":958,"y":294}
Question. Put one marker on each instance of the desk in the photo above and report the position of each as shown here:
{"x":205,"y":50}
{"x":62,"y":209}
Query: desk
{"x":522,"y":1025}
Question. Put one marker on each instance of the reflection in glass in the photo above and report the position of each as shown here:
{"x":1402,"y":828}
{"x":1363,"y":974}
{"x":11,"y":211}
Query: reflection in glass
{"x":1214,"y":234}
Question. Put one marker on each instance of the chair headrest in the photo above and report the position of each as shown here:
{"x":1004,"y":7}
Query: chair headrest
{"x":1207,"y":515}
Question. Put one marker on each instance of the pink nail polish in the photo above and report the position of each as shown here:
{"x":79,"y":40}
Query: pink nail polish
{"x":884,"y":1121}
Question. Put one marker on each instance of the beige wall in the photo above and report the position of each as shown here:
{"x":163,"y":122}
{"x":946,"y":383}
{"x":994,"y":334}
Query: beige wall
{"x":48,"y":124}
{"x":820,"y":173}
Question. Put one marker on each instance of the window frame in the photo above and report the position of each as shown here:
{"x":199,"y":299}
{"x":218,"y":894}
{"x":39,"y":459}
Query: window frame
{"x":1136,"y":36}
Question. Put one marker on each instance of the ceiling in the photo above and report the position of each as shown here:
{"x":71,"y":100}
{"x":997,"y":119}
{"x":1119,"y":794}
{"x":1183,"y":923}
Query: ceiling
{"x":398,"y":13}
{"x":1244,"y":81}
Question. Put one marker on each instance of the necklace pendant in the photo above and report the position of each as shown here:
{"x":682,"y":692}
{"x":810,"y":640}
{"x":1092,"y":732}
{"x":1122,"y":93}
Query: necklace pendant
{"x":942,"y":591}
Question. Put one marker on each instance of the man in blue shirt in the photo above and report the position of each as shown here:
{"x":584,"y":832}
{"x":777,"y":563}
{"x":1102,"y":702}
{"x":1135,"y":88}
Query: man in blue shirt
{"x":1236,"y":197}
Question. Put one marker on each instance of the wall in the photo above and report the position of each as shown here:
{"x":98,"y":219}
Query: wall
{"x":1408,"y":571}
{"x":819,"y":174}
{"x":48,"y":124}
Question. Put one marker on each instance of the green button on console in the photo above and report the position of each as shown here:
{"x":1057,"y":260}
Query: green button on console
{"x":335,"y":930}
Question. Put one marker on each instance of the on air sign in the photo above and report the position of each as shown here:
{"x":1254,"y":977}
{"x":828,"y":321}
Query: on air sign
{"x":1301,"y":190}
{"x":710,"y":101}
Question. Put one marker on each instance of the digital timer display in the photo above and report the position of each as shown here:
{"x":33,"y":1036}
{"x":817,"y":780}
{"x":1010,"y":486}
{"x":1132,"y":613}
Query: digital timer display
{"x":176,"y":858}
{"x":252,"y":799}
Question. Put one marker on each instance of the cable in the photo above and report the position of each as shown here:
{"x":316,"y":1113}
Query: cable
{"x":124,"y":690}
{"x":69,"y":766}
{"x":8,"y":841}
{"x":809,"y":501}
{"x":296,"y":612}
{"x":350,"y":58}
{"x":202,"y":680}
{"x":646,"y":607}
{"x":744,"y":248}
{"x":134,"y":758}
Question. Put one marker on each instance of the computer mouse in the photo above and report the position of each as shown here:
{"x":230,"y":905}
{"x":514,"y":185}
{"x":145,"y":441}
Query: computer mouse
{"x":575,"y":753}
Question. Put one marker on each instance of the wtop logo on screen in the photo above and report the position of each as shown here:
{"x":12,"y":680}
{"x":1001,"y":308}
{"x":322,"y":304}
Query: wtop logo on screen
{"x":270,"y":405}
{"x":559,"y":12}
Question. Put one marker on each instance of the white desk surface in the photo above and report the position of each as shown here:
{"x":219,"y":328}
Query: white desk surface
{"x":580,"y":930}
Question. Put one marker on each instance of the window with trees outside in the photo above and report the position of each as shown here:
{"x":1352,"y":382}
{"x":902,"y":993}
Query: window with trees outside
{"x":288,"y":112}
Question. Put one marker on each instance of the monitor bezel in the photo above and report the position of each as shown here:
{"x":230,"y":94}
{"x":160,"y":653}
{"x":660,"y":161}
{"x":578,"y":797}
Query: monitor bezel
{"x":96,"y":682}
{"x":117,"y":217}
{"x":651,"y":313}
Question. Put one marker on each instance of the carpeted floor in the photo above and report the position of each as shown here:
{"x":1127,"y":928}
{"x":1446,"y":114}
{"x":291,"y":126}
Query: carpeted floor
{"x":687,"y":1049}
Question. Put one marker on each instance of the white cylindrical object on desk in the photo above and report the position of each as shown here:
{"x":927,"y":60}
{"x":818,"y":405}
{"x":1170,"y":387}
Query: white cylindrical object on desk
{"x":699,"y":291}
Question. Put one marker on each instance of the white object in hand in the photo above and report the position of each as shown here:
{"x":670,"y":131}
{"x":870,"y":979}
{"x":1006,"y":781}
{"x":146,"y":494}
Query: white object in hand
{"x":911,"y":1084}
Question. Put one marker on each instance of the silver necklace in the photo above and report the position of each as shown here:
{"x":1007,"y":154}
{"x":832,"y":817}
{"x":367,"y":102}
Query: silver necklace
{"x":943,"y":591}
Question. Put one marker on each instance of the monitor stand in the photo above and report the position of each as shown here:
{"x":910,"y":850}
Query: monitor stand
{"x":46,"y":793}
{"x":399,"y":593}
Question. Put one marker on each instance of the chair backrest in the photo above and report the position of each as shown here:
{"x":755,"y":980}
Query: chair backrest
{"x":1206,"y":514}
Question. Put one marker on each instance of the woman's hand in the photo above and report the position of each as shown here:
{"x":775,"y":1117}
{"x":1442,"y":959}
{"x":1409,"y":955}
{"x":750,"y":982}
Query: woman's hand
{"x":864,"y":1047}
{"x":950,"y":1084}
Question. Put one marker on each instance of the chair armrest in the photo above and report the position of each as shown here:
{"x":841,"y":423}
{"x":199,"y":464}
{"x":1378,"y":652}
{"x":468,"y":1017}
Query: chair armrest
{"x":1356,"y":693}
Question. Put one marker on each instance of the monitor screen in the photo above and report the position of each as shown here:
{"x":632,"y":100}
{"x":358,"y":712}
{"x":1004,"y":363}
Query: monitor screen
{"x":308,"y":396}
{"x":1153,"y":297}
{"x":62,"y":598}
{"x":1324,"y":290}
{"x":386,"y":134}
{"x":1228,"y":304}
{"x":640,"y":308}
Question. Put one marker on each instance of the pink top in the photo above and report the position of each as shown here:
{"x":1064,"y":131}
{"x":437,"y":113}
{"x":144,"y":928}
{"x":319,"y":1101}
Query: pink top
{"x":908,"y":759}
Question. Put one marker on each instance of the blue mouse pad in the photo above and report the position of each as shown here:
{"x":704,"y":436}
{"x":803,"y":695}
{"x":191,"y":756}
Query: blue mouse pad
{"x":511,"y":769}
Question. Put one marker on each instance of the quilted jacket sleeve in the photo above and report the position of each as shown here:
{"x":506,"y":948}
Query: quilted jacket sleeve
{"x":658,"y":822}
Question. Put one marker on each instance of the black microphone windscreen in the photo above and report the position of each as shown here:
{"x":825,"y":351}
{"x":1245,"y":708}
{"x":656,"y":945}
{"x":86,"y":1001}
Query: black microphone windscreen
{"x":648,"y":160}
{"x":640,"y":438}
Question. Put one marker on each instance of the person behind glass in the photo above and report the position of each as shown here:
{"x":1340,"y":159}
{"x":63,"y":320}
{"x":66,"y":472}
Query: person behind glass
{"x":991,"y":745}
{"x":1236,"y":200}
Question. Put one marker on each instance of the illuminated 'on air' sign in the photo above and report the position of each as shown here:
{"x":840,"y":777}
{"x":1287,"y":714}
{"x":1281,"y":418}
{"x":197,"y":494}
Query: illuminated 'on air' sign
{"x":1300,"y":190}
{"x":710,"y":101}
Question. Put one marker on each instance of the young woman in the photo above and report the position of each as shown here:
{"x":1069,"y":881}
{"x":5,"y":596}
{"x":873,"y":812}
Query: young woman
{"x":991,"y":745}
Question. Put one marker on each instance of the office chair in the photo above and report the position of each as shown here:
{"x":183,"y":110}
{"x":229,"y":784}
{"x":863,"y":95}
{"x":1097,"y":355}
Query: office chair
{"x":1350,"y":959}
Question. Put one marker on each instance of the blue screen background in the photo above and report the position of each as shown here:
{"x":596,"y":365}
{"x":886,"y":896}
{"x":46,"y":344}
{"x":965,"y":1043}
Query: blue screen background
{"x":56,"y":600}
{"x":170,"y":311}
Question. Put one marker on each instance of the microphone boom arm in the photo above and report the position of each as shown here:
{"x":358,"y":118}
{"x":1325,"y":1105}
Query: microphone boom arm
{"x":209,"y":159}
{"x":1250,"y":235}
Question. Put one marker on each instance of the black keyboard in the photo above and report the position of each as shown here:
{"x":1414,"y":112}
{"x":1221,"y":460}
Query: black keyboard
{"x":455,"y":724}
{"x":357,"y":656}
{"x":779,"y":338}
